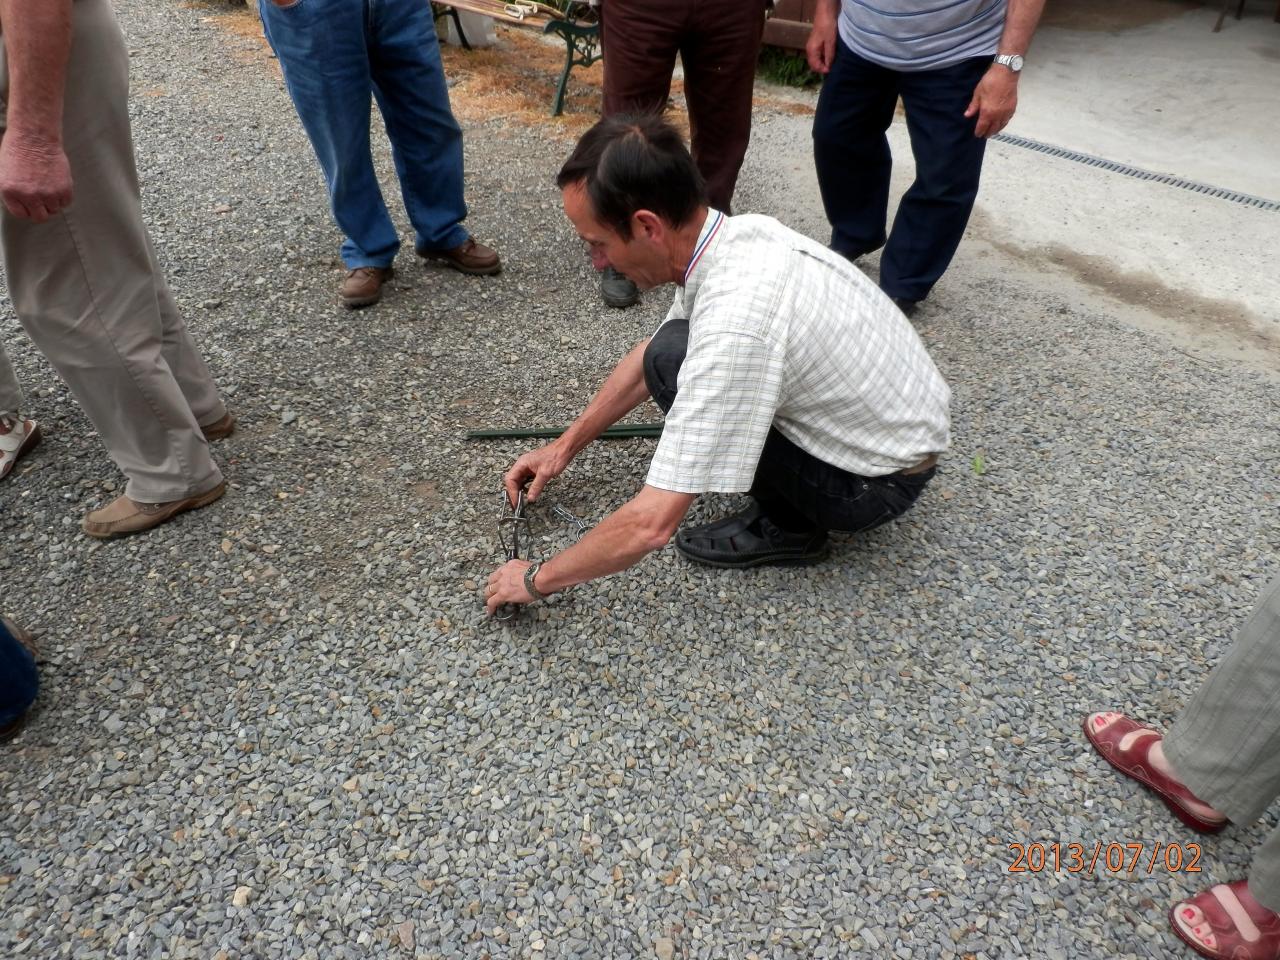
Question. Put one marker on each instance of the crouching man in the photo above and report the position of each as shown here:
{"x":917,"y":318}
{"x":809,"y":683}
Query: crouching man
{"x":783,"y":372}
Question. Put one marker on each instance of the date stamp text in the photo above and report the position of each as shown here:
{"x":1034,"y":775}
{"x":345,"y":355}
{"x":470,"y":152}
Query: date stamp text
{"x":1100,"y":857}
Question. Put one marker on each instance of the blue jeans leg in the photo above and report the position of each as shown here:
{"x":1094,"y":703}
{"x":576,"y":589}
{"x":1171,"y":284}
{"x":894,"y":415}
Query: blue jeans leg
{"x":19,"y":682}
{"x":934,"y":212}
{"x":323,"y":52}
{"x":851,"y":151}
{"x":426,"y":141}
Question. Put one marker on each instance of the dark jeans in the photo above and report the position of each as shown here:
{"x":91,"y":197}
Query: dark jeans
{"x":795,"y":489}
{"x":851,"y":153}
{"x":19,"y":682}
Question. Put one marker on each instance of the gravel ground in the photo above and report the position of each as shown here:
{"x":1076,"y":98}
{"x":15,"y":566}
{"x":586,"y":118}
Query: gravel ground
{"x":283,"y":728}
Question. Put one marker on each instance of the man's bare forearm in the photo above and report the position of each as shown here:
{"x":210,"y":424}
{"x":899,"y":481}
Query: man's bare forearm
{"x":640,"y":526}
{"x":37,"y":43}
{"x":622,"y":392}
{"x":1020,"y":25}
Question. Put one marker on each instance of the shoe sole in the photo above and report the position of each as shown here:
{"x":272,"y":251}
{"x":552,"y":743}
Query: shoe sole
{"x":773,"y":560}
{"x":469,"y":271}
{"x":221,"y":433}
{"x":618,"y":304}
{"x":28,"y":641}
{"x":13,"y":729}
{"x":1192,"y":821}
{"x":355,"y":303}
{"x":195,"y":503}
{"x":30,"y":443}
{"x":25,"y":637}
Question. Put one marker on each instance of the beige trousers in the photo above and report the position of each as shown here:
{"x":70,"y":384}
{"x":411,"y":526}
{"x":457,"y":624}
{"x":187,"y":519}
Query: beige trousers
{"x":88,"y":290}
{"x":1225,"y":745}
{"x":10,"y":390}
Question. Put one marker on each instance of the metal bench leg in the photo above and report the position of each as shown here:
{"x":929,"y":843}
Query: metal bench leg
{"x":557,"y":105}
{"x":581,"y":49}
{"x":457,"y":25}
{"x":1222,"y":15}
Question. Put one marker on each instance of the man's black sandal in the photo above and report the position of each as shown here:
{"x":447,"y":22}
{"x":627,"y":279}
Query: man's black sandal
{"x":750,"y":539}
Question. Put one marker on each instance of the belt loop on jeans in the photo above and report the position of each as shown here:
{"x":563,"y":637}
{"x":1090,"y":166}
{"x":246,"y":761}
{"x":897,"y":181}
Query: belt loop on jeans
{"x":928,"y":463}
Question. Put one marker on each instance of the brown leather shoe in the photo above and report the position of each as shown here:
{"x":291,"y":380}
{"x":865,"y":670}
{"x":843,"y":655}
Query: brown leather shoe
{"x":123,"y":516}
{"x":220,"y":429}
{"x":23,"y":636}
{"x":363,"y":286}
{"x":470,"y":257}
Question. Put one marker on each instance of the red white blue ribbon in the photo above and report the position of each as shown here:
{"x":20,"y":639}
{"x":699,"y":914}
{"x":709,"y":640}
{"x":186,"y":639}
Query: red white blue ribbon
{"x":705,"y":242}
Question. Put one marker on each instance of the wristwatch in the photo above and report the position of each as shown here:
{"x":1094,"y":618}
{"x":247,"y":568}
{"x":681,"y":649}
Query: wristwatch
{"x":529,"y":574}
{"x":1011,"y":60}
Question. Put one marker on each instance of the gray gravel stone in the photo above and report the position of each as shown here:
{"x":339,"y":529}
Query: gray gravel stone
{"x":295,"y":693}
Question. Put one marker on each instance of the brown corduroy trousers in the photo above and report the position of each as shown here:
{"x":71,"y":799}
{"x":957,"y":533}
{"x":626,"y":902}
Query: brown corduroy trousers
{"x":718,"y":42}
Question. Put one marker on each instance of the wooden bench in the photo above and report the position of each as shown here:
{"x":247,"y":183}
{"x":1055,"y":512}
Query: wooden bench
{"x":573,"y":21}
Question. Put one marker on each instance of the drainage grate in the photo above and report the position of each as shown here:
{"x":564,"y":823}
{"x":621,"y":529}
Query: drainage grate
{"x":1128,"y":171}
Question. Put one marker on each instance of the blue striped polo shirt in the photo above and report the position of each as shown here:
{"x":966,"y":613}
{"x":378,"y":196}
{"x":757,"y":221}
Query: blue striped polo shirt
{"x":921,"y":34}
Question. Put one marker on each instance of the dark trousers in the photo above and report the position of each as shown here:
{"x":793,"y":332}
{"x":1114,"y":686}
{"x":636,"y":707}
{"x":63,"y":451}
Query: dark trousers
{"x":718,"y":42}
{"x":852,"y":156}
{"x":18,"y":680}
{"x":795,"y":489}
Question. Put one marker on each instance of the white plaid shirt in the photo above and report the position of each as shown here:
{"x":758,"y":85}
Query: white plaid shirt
{"x":785,"y":333}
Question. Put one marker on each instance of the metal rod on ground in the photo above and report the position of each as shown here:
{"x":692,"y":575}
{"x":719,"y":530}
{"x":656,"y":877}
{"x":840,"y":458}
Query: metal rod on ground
{"x":620,"y":432}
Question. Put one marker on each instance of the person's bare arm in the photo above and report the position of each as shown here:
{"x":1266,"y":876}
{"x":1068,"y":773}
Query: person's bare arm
{"x":641,"y":525}
{"x":622,"y":392}
{"x":996,"y":97}
{"x":35,"y":177}
{"x":820,"y":48}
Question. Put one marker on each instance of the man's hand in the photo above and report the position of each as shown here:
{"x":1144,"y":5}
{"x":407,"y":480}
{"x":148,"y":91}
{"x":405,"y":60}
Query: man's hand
{"x":820,"y":48}
{"x":35,"y":177}
{"x":994,"y":100}
{"x":506,"y":585}
{"x":535,"y":468}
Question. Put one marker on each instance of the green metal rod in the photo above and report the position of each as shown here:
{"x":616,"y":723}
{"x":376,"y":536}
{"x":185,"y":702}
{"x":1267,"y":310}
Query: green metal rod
{"x":621,"y":432}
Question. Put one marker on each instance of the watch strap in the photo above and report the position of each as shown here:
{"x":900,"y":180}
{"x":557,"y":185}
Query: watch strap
{"x":529,"y":574}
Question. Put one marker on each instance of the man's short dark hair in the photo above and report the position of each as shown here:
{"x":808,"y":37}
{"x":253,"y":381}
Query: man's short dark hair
{"x":630,"y":163}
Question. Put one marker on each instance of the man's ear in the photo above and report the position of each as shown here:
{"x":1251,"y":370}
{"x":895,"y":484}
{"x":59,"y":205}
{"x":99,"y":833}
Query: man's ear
{"x":647,"y":224}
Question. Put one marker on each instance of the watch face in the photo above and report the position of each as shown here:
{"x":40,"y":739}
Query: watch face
{"x":1015,"y":63}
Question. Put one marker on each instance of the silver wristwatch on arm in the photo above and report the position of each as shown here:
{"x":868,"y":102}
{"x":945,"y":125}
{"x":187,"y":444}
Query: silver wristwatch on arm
{"x":1013,"y":61}
{"x":529,"y":574}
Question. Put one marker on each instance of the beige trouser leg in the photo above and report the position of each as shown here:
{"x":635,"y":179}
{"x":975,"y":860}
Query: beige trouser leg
{"x":10,"y":390}
{"x":88,"y":290}
{"x":1225,"y":745}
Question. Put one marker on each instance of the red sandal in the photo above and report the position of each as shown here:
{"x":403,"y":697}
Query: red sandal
{"x":1132,"y":762}
{"x":1226,"y":923}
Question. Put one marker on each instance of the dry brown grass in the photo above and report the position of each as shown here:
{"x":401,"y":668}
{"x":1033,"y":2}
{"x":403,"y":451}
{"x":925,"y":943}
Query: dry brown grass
{"x":516,"y":80}
{"x":243,"y":24}
{"x":513,"y":81}
{"x":793,"y":107}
